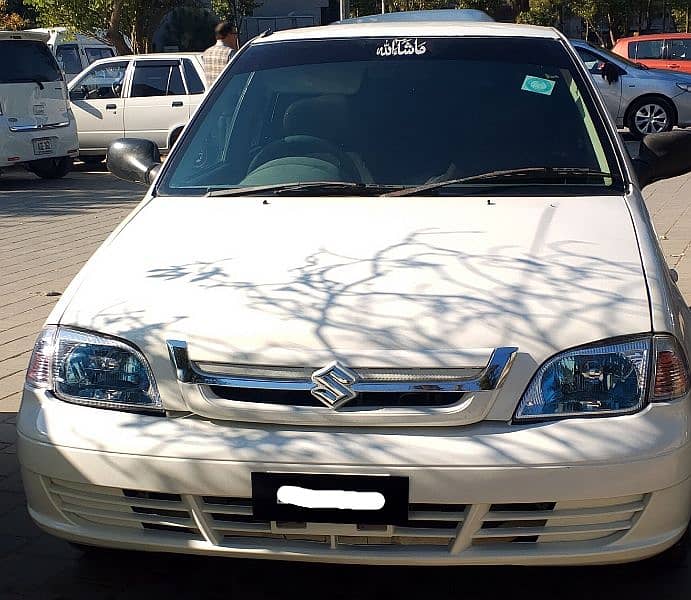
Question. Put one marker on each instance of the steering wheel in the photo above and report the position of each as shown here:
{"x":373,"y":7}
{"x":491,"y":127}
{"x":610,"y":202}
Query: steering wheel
{"x":305,"y":145}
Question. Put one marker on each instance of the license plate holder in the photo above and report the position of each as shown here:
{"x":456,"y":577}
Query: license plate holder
{"x":266,"y":505}
{"x":43,"y":146}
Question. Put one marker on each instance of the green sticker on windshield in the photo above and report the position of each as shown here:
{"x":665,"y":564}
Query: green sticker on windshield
{"x":538,"y":85}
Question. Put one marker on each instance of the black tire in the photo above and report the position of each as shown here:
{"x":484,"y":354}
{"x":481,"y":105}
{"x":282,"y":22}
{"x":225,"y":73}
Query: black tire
{"x":51,"y":168}
{"x":650,"y":115}
{"x":92,"y":161}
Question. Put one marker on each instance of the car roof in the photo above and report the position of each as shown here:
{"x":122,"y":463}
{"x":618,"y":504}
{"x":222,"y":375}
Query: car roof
{"x":654,"y":36}
{"x":36,"y":36}
{"x":448,"y":14}
{"x":158,"y":55}
{"x":155,"y":56}
{"x":408,"y":29}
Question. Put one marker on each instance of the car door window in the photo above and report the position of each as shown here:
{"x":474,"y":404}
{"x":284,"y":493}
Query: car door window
{"x":592,"y":61}
{"x":103,"y":82}
{"x":194,"y":82}
{"x":679,"y":49}
{"x":94,"y":54}
{"x":68,"y":58}
{"x":649,"y":50}
{"x":157,"y":80}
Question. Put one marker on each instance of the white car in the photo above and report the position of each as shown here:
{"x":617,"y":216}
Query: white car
{"x":147,"y":96}
{"x":366,"y":315}
{"x":37,"y":127}
{"x":75,"y":51}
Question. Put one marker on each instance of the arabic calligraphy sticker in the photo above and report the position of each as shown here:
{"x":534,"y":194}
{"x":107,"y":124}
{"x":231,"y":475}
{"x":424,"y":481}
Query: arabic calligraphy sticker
{"x":538,"y":85}
{"x":402,"y":47}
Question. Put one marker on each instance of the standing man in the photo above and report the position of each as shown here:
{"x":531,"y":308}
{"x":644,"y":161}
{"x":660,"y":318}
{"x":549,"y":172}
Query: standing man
{"x":216,"y":58}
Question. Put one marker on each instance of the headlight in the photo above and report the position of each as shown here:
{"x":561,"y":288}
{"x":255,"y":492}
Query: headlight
{"x":606,"y":379}
{"x":93,"y":370}
{"x":684,"y":86}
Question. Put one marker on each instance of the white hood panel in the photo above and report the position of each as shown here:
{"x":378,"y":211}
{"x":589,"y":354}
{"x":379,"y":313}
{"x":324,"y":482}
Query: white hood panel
{"x":372,"y":281}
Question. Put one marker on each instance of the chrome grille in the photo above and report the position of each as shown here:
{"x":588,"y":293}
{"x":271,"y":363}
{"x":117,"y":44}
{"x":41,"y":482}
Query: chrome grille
{"x":341,"y":394}
{"x":449,"y":529}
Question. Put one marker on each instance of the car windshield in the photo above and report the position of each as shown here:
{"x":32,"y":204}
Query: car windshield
{"x":25,"y":61}
{"x":395,"y":113}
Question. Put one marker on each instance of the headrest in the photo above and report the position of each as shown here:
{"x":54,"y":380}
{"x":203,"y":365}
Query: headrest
{"x":321,"y":116}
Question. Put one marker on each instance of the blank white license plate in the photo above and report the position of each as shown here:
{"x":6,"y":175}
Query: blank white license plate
{"x":43,"y":146}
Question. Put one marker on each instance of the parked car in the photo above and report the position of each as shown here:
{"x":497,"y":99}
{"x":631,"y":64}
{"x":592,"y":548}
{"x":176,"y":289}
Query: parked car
{"x":37,"y":125}
{"x":658,"y":51}
{"x":148,"y":96}
{"x":75,"y":51}
{"x":326,"y":336}
{"x":642,"y":99}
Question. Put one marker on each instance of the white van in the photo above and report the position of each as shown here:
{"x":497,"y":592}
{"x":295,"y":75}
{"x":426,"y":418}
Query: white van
{"x":74,"y":51}
{"x":36,"y":123}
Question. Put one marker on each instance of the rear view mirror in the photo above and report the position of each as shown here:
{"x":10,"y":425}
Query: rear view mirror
{"x":662,"y":156}
{"x":134,"y":160}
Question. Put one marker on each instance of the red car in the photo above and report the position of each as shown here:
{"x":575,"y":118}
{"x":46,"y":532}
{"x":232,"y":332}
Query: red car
{"x":658,"y":51}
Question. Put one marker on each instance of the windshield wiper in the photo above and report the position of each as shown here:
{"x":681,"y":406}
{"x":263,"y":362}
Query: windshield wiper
{"x":38,"y":82}
{"x":322,"y":187}
{"x":527,"y":174}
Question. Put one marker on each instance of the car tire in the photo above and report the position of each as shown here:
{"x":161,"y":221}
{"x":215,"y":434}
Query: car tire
{"x":92,"y":161}
{"x":650,"y":115}
{"x":51,"y":168}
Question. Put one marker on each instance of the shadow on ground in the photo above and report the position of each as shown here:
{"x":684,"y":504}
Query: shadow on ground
{"x":22,"y":194}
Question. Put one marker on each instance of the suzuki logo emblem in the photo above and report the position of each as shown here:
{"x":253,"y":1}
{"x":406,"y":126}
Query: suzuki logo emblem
{"x":332,"y":385}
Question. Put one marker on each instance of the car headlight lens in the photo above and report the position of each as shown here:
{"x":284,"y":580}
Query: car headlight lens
{"x":684,"y":86}
{"x":93,"y":370}
{"x":606,"y":379}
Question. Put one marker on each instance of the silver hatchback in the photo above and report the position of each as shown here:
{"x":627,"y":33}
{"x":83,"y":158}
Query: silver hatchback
{"x":642,"y":99}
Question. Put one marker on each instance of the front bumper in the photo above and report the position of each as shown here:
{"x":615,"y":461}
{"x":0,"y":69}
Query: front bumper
{"x":581,"y":491}
{"x":16,"y":147}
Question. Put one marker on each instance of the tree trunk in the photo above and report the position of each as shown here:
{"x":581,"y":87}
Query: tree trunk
{"x":114,"y":34}
{"x":611,"y":24}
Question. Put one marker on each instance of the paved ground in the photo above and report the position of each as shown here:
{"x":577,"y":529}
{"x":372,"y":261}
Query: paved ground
{"x":47,"y":231}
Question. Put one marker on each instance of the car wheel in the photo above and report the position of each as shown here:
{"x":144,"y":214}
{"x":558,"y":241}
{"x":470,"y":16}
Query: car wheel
{"x":51,"y":168}
{"x":92,"y":161}
{"x":650,"y":115}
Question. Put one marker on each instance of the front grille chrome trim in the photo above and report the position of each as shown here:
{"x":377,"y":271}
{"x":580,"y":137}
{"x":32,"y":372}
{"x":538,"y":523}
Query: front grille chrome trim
{"x":466,"y":379}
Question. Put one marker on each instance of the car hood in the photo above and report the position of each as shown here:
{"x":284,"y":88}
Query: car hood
{"x":406,"y":281}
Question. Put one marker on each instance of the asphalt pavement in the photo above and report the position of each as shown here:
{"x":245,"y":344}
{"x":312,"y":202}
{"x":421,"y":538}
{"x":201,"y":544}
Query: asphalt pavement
{"x":47,"y":231}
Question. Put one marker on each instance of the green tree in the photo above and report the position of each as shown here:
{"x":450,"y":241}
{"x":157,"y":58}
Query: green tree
{"x":234,"y":10}
{"x":190,"y":29}
{"x":10,"y":20}
{"x":542,"y":12}
{"x":137,"y":18}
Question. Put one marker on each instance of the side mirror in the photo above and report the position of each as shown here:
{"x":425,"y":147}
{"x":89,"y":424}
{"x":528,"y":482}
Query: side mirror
{"x":609,"y":72}
{"x":134,"y":160}
{"x":662,"y":156}
{"x":77,"y":93}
